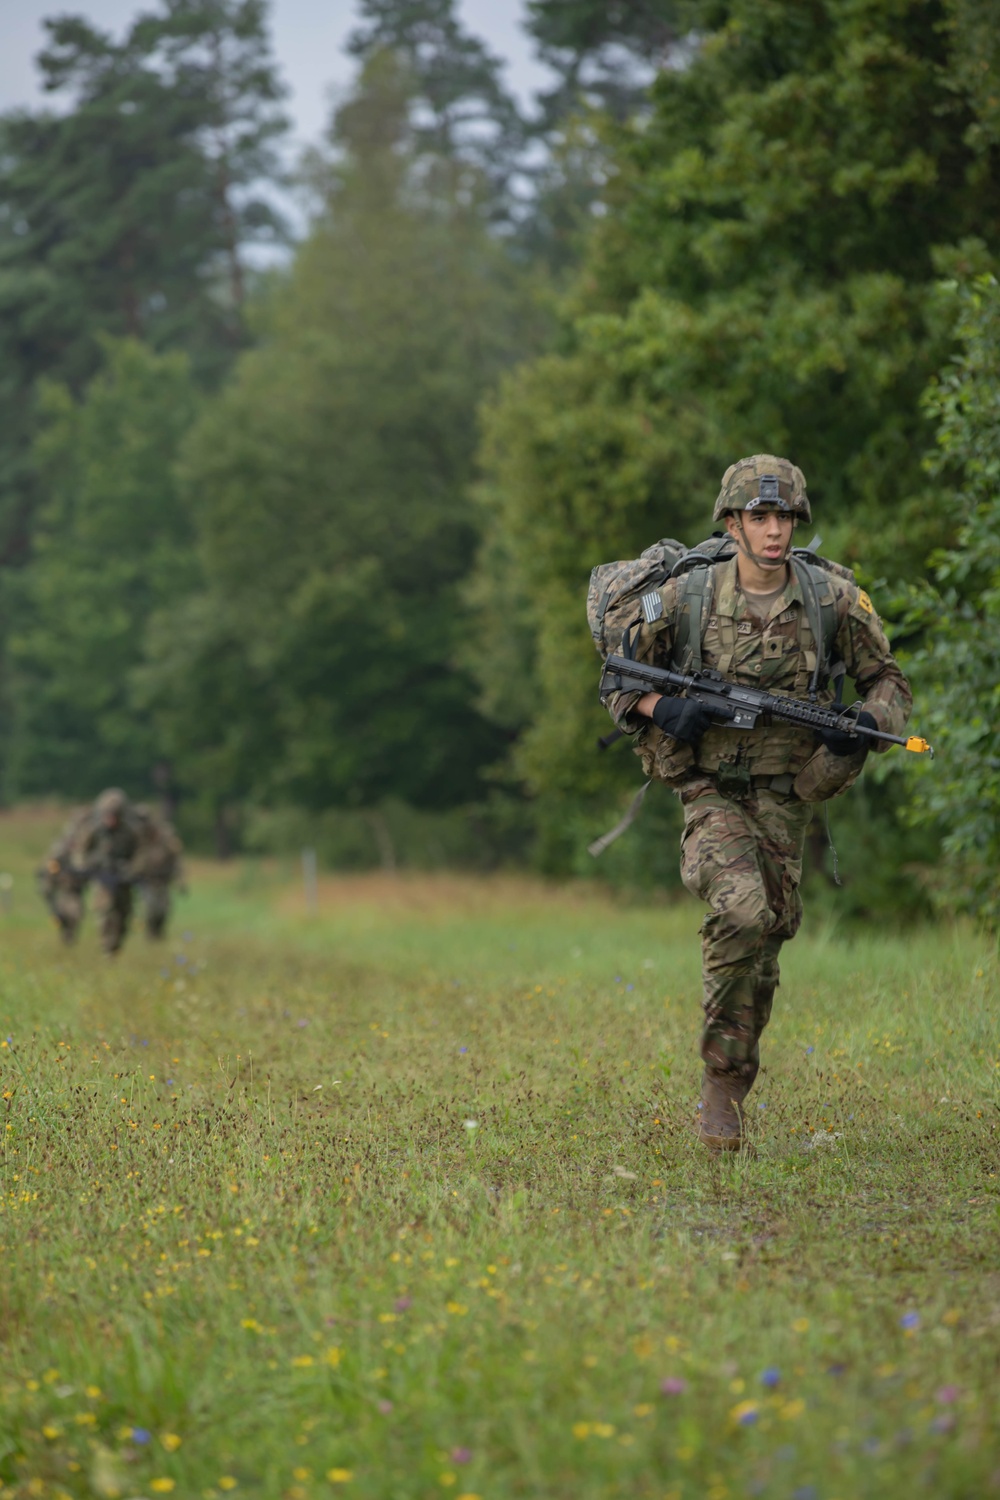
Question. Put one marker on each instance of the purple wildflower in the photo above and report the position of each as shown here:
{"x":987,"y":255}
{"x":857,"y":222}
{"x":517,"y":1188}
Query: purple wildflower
{"x":463,"y":1049}
{"x":141,"y":1435}
{"x":385,"y":1407}
{"x":748,"y":1418}
{"x":402,"y":1303}
{"x":910,"y":1320}
{"x":461,"y":1455}
{"x":673,"y":1386}
{"x":947,"y":1395}
{"x":770,"y":1377}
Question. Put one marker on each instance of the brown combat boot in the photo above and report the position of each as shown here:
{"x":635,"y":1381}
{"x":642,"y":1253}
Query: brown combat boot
{"x":720,"y":1119}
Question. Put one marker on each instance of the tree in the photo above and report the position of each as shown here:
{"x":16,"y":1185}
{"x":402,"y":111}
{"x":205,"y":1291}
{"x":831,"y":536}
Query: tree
{"x":605,"y":55}
{"x":331,"y":478}
{"x":113,"y":545}
{"x":460,"y":119}
{"x":126,"y":214}
{"x":762,"y":281}
{"x":958,"y":671}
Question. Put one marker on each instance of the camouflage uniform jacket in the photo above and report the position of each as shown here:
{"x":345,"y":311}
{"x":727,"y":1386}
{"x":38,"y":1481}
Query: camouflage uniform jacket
{"x":778,"y":655}
{"x":111,"y":851}
{"x":159,"y":856}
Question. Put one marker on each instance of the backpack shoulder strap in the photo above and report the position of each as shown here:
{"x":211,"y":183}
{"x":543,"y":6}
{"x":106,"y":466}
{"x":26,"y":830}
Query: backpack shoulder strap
{"x":695,"y":588}
{"x":821,"y":612}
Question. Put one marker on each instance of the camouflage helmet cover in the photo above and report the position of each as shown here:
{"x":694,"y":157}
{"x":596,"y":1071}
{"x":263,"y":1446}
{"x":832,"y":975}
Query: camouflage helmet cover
{"x":112,"y":802}
{"x":763,"y":480}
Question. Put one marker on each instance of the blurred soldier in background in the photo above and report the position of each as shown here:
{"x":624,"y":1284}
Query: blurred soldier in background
{"x":107,"y":851}
{"x":60,"y":885}
{"x":157,"y":868}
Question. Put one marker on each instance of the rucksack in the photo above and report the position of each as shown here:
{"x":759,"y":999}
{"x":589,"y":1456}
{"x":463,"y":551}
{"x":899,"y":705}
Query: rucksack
{"x":617,"y":589}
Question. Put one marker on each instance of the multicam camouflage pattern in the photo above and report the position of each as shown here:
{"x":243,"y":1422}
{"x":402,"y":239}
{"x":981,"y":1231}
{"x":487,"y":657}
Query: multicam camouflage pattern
{"x":157,"y":867}
{"x":105,"y":853}
{"x":114,"y":846}
{"x":615,"y":587}
{"x":742,"y":846}
{"x":108,"y":850}
{"x":744,"y":858}
{"x":113,"y":904}
{"x":741,"y":485}
{"x":59,"y":884}
{"x":778,"y":654}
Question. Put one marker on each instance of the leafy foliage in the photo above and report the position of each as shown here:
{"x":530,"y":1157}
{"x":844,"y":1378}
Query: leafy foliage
{"x":460,"y":118}
{"x":329,"y":481}
{"x":127,"y":213}
{"x":959,"y":668}
{"x":602,"y":53}
{"x":113,"y":545}
{"x":763,"y":281}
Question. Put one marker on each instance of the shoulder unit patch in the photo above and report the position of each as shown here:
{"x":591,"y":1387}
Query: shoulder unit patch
{"x":865,"y":602}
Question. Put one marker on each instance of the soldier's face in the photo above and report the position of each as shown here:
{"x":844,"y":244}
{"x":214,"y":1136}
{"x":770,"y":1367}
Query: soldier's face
{"x":110,"y":820}
{"x":768,"y":532}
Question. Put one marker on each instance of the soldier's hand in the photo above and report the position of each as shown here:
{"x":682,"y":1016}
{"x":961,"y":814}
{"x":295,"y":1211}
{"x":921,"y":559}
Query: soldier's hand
{"x":849,"y":744}
{"x":681,"y":718}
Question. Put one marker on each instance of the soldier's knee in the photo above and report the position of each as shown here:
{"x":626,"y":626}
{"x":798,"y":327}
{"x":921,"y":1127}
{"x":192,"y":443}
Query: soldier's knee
{"x":744,"y":920}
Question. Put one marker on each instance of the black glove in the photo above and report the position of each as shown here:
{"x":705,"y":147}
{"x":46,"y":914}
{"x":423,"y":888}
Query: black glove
{"x":682,"y":718}
{"x":847,"y":744}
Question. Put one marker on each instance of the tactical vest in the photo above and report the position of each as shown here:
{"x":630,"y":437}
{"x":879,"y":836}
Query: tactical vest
{"x":791,"y":653}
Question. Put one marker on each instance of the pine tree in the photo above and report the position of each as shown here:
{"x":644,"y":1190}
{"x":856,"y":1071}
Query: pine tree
{"x":332,"y":477}
{"x":126,"y":214}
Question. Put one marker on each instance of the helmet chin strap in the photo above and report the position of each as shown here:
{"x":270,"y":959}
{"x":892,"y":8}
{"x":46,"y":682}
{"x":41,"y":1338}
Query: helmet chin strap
{"x":767,"y":563}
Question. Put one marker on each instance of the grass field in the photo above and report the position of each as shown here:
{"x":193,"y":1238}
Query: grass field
{"x":401,"y":1200}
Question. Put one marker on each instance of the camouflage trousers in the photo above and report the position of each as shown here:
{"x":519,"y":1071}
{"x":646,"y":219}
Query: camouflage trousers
{"x":114,"y":906}
{"x":745,"y":859}
{"x":65,"y":901}
{"x":156,"y":905}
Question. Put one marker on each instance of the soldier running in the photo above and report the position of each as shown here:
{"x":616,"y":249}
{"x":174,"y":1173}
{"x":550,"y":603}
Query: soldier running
{"x":746,"y":794}
{"x":106,"y":851}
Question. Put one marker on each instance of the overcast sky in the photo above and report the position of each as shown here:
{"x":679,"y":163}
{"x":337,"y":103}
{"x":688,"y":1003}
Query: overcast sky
{"x":308,"y":39}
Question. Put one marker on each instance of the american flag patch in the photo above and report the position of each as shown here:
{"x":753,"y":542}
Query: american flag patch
{"x":652,"y":606}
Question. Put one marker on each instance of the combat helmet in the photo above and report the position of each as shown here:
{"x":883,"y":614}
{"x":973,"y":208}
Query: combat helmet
{"x":763,"y":480}
{"x":112,"y":803}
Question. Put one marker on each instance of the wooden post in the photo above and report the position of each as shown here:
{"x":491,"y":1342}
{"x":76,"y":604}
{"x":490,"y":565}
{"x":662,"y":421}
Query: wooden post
{"x":309,"y":878}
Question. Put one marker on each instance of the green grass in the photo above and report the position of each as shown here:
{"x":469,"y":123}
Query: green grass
{"x":402,"y":1200}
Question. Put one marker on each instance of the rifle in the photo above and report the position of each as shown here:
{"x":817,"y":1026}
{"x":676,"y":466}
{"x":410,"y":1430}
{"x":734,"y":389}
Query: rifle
{"x":741,"y":707}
